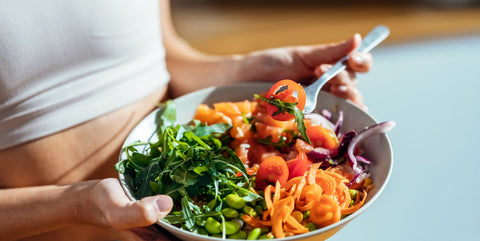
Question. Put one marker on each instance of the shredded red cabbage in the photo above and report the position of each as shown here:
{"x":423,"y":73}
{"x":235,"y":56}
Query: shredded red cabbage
{"x":362,"y":159}
{"x":323,"y":156}
{"x":369,"y":131}
{"x":338,"y":124}
{"x":344,"y":143}
{"x":327,"y":114}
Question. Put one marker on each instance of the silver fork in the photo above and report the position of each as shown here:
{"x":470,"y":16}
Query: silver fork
{"x":372,"y":39}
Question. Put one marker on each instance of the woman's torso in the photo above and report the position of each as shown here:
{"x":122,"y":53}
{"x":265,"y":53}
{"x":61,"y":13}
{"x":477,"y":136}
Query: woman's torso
{"x":95,"y":65}
{"x":75,"y":78}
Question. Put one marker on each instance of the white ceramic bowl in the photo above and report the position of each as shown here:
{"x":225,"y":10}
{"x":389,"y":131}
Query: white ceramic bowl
{"x":377,"y":147}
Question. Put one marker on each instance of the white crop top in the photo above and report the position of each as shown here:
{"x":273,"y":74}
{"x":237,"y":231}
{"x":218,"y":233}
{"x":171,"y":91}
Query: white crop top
{"x":63,"y":62}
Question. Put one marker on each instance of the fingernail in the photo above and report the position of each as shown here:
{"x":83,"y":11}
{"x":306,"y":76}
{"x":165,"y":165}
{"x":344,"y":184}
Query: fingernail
{"x":164,"y":203}
{"x":342,"y":88}
{"x":357,"y":35}
{"x":358,"y":58}
{"x":326,"y":67}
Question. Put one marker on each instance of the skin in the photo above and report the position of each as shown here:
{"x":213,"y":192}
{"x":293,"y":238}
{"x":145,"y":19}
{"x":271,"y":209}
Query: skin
{"x":62,"y":186}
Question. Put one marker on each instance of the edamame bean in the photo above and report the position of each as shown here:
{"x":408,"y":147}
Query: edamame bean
{"x":254,"y":234}
{"x":235,"y":201}
{"x":266,"y":236}
{"x":202,"y":231}
{"x":212,"y":203}
{"x":353,"y":193}
{"x":231,"y":227}
{"x":306,"y":214}
{"x":258,"y":209}
{"x":212,"y":226}
{"x":249,"y":211}
{"x":238,"y":235}
{"x":230,"y":213}
{"x":311,"y":226}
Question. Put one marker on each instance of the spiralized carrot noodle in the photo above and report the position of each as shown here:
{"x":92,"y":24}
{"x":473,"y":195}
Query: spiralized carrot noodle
{"x":325,"y":211}
{"x":358,"y":204}
{"x":322,"y":192}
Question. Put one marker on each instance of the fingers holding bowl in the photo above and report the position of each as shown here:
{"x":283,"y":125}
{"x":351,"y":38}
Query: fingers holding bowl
{"x":348,"y":92}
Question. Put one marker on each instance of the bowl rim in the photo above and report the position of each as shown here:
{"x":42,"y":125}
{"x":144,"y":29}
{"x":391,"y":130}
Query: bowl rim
{"x":334,"y":226}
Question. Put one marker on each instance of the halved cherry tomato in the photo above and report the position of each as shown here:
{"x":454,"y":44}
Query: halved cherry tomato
{"x":287,"y":91}
{"x":322,"y":137}
{"x":298,"y":165}
{"x":271,"y":170}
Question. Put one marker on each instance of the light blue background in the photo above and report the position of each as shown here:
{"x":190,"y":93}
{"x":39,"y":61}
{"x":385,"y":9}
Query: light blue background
{"x":431,"y":89}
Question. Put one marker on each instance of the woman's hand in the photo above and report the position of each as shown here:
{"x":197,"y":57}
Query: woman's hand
{"x":306,"y":63}
{"x":112,"y":208}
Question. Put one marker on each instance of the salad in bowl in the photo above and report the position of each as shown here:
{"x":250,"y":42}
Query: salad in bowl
{"x":243,"y":162}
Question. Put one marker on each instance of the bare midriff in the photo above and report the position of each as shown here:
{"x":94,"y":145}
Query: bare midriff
{"x":83,"y":152}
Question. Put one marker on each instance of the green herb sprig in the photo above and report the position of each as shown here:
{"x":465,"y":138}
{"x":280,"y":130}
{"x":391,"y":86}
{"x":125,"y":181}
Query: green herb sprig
{"x":290,"y":108}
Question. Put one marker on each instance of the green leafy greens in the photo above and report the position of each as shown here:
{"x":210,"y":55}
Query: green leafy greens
{"x":191,"y":164}
{"x":290,"y":108}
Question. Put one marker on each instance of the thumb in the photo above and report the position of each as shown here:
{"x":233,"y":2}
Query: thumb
{"x":141,"y":213}
{"x":119,"y":212}
{"x":329,"y":53}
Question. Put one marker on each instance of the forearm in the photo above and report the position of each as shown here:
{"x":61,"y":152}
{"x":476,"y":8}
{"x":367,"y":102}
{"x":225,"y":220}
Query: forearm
{"x":189,"y":68}
{"x":188,"y":75}
{"x":34,"y":210}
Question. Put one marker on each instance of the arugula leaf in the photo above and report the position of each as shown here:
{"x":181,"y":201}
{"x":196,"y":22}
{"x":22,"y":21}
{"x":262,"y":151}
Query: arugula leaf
{"x":235,"y":160}
{"x":192,"y":137}
{"x":147,"y":175}
{"x":134,"y":158}
{"x":200,"y":169}
{"x":251,"y":196}
{"x":174,"y":219}
{"x":121,"y":166}
{"x":283,"y":142}
{"x":205,"y":130}
{"x":166,"y":116}
{"x":301,"y":125}
{"x":183,"y":177}
{"x":281,"y":106}
{"x":187,"y":214}
{"x":290,"y":108}
{"x":140,"y":159}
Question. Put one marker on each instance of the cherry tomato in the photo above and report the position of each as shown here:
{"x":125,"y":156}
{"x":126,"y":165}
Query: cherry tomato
{"x":298,"y":165}
{"x":322,"y":137}
{"x":287,"y":91}
{"x":271,"y":170}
